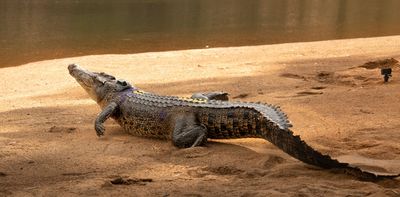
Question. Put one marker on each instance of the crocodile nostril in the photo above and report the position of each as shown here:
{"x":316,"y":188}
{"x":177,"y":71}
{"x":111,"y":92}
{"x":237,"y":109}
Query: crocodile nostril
{"x":71,"y":67}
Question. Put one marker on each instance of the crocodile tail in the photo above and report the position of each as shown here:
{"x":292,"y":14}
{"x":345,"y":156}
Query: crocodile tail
{"x":296,"y":147}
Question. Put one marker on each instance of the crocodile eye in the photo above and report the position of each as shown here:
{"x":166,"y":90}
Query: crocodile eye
{"x":100,"y":80}
{"x":121,"y":82}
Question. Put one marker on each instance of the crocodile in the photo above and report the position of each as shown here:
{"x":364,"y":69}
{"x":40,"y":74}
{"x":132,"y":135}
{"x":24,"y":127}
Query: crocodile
{"x":190,"y":121}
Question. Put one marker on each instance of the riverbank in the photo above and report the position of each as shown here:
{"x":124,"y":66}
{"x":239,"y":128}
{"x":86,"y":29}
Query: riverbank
{"x":49,"y":146}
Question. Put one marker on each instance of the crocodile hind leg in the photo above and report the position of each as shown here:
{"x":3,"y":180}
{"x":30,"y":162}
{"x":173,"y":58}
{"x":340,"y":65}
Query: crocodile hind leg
{"x":222,"y":96}
{"x":188,"y":132}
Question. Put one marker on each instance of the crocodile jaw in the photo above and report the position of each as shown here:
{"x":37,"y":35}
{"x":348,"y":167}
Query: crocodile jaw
{"x":99,"y":86}
{"x":84,"y":77}
{"x":88,"y":80}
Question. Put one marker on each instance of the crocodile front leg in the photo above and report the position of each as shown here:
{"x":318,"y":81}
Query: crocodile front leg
{"x":188,"y":133}
{"x":222,"y":96}
{"x":103,"y":116}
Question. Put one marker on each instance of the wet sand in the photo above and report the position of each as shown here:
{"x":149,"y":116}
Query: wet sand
{"x":49,"y":147}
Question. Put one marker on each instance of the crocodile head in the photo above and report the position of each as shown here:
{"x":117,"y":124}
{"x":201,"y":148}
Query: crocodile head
{"x":99,"y":86}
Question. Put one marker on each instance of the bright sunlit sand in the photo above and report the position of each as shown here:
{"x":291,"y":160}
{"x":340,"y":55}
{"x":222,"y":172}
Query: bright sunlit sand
{"x":49,"y":147}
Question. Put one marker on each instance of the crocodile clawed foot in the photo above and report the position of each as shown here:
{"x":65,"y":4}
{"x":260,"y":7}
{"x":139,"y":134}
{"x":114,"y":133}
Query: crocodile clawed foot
{"x":99,"y":129}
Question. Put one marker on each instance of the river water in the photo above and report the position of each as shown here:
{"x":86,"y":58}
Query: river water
{"x":32,"y":30}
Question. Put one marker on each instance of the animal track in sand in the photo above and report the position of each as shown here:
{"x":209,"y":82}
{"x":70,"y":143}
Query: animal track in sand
{"x":61,"y":129}
{"x":216,"y":170}
{"x":352,"y":77}
{"x":194,"y":152}
{"x":318,"y":87}
{"x":383,"y":63}
{"x":130,"y":181}
{"x":305,"y":93}
{"x":273,"y":160}
{"x":293,"y":76}
{"x":224,"y":170}
{"x":227,"y":170}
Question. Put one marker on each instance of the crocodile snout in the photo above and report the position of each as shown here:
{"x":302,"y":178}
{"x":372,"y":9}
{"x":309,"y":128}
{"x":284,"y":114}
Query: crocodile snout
{"x":71,"y":67}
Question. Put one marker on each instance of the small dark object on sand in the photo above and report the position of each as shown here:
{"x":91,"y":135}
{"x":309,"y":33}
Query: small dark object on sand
{"x":386,"y":72}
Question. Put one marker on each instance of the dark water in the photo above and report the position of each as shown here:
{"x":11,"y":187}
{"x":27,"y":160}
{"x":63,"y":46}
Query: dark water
{"x":33,"y":30}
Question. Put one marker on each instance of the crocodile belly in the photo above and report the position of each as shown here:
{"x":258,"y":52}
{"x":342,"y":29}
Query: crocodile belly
{"x":145,"y":121}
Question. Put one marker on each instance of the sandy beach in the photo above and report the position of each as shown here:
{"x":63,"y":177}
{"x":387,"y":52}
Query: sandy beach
{"x":49,"y":147}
